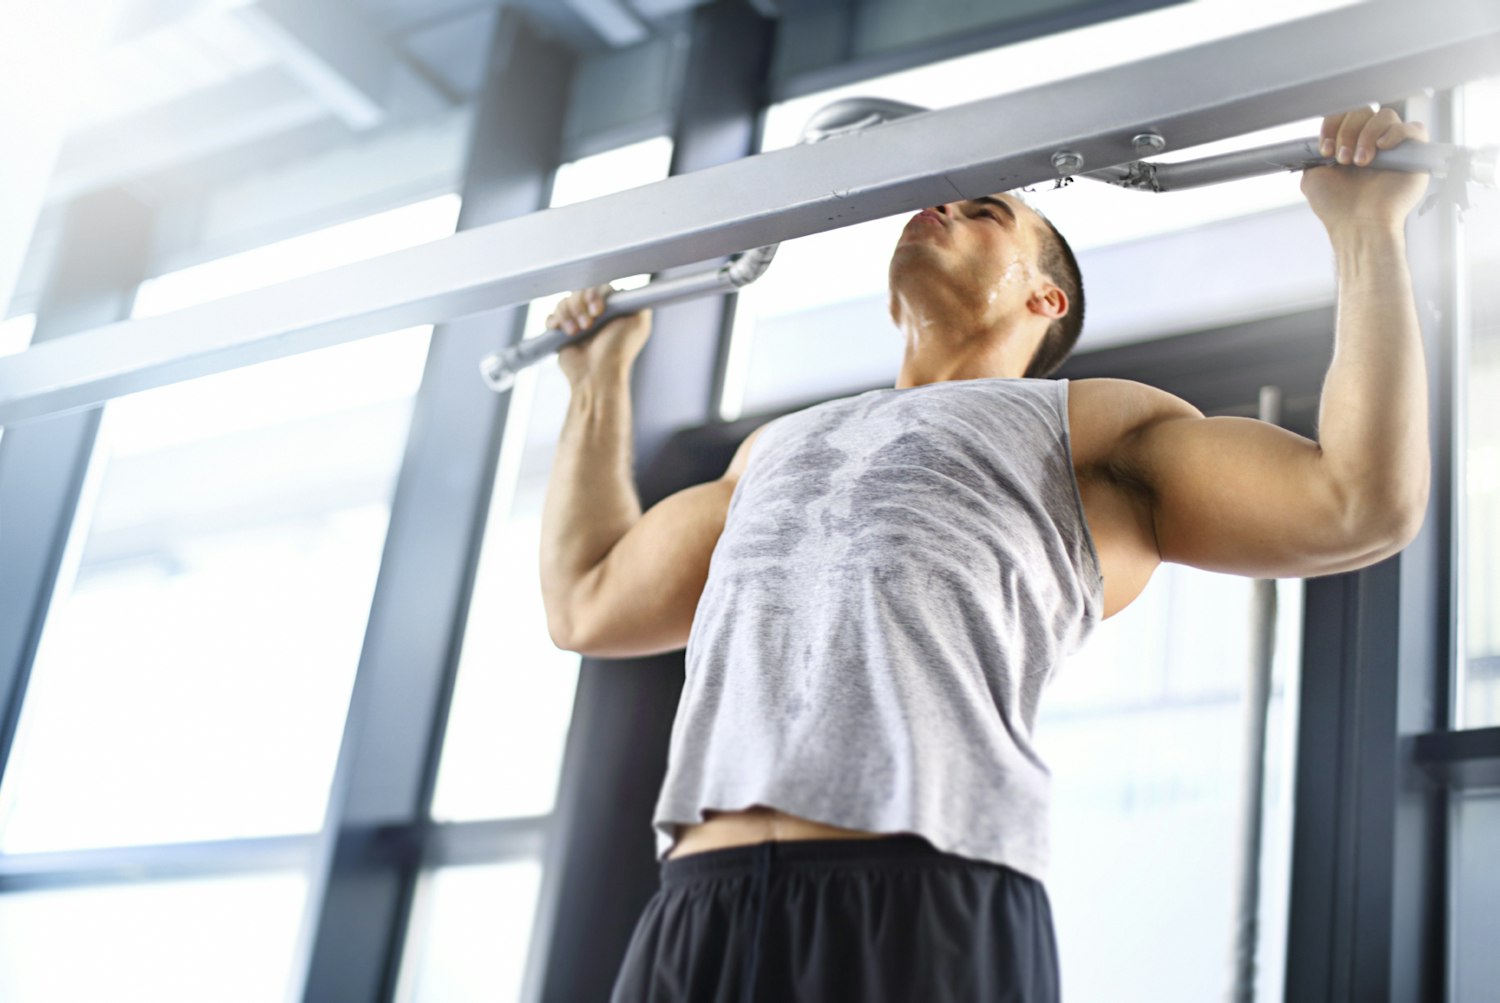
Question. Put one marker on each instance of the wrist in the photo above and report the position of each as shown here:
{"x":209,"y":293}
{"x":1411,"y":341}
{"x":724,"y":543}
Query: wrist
{"x":601,"y":380}
{"x":1359,"y":233}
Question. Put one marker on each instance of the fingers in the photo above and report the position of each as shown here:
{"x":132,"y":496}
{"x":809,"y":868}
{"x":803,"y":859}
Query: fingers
{"x":578,"y":310}
{"x":1354,"y":136}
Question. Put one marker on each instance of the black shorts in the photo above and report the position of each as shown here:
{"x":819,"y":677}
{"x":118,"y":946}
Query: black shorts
{"x":857,"y":920}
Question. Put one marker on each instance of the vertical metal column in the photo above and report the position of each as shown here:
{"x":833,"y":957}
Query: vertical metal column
{"x":601,"y":865}
{"x":1253,"y":786}
{"x":43,"y":463}
{"x":363,"y":875}
{"x":1367,"y":919}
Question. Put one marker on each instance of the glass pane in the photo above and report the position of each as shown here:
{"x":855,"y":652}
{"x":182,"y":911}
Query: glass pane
{"x":1143,"y":731}
{"x":514,"y":693}
{"x":195,"y":668}
{"x":1476,"y":898}
{"x":229,"y":940}
{"x":886,"y":25}
{"x":15,"y":333}
{"x":1479,"y":541}
{"x":817,"y":325}
{"x":470,"y":933}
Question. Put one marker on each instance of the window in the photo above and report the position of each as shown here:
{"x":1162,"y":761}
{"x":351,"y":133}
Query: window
{"x":195,"y":666}
{"x":471,"y":933}
{"x":514,"y":693}
{"x":817,"y":324}
{"x":225,"y":939}
{"x":1143,"y":731}
{"x":471,"y":925}
{"x":1476,"y":897}
{"x":1479,"y":489}
{"x":15,"y":333}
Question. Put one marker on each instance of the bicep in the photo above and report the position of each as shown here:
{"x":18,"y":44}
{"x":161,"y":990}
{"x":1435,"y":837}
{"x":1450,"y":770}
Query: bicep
{"x":1245,"y":497}
{"x":642,"y":597}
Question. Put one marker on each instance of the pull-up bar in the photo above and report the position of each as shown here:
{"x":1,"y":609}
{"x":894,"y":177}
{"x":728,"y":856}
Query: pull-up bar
{"x":851,"y":115}
{"x":1237,"y":85}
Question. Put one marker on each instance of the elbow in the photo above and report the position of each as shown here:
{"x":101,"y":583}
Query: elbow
{"x":560,"y":633}
{"x":562,"y":626}
{"x":1386,"y":526}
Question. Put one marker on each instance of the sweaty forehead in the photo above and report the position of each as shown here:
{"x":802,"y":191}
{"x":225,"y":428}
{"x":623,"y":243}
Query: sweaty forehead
{"x":1022,"y":210}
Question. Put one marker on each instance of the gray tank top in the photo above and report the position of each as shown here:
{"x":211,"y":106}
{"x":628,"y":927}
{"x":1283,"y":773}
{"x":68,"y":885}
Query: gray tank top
{"x":899,"y":575}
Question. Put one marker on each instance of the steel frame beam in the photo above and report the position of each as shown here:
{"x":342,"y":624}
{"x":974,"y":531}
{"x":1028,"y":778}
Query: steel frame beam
{"x":376,"y":836}
{"x":1290,"y":71}
{"x":600,"y":869}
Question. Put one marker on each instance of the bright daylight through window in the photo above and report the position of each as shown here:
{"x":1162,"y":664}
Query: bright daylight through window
{"x":195,"y":666}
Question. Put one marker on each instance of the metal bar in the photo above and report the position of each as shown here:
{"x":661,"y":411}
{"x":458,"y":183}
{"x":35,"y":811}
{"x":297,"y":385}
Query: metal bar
{"x":1438,"y":159}
{"x":1238,"y":85}
{"x":372,"y":847}
{"x":500,"y":368}
{"x":1257,"y":701}
{"x":1460,"y":760}
{"x":129,"y":864}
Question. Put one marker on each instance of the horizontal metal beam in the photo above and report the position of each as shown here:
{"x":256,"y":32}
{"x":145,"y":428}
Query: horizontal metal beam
{"x":28,"y":871}
{"x":1209,"y":92}
{"x":332,"y":49}
{"x":240,"y":111}
{"x":1461,"y":760}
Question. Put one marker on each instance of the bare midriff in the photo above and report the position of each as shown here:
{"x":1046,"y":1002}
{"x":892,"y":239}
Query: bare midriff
{"x":755,"y":824}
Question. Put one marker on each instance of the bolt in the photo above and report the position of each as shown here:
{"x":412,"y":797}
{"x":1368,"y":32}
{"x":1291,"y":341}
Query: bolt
{"x":1067,"y":161}
{"x":1149,"y":142}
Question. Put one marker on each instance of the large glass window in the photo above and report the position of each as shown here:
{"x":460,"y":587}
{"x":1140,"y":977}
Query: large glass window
{"x":1475,"y":910}
{"x":196,"y":663}
{"x":226,"y":939}
{"x":818,"y":323}
{"x":15,"y":333}
{"x":471,"y":934}
{"x":514,"y":693}
{"x":1144,"y":731}
{"x":471,"y":926}
{"x":1479,"y":535}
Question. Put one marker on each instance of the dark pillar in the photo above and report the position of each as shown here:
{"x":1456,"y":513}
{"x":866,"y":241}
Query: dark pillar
{"x":366,"y":866}
{"x":601,"y":864}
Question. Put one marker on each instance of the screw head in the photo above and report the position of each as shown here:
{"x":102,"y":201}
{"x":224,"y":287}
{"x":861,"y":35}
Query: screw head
{"x":1067,"y":161}
{"x":1149,"y":142}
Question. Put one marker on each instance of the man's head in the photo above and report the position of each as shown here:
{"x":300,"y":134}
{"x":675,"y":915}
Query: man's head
{"x":991,"y":267}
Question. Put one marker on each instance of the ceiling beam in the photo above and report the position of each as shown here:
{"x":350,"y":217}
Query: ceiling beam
{"x":235,"y":113}
{"x":615,"y":22}
{"x":334,"y":51}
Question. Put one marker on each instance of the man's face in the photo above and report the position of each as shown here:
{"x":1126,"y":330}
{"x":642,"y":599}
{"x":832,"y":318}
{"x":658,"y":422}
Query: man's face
{"x":977,"y":256}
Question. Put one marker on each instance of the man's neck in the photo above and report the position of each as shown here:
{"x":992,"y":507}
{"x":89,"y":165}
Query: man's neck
{"x":934,"y":355}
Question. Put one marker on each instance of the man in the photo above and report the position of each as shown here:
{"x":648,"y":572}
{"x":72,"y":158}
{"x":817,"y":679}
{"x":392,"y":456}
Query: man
{"x":874,"y":594}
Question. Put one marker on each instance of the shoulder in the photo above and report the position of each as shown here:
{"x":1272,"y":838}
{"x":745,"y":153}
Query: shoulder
{"x":1105,"y":414}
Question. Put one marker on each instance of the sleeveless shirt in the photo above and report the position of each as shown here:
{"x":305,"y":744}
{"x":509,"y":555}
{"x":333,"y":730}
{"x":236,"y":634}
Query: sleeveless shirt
{"x":899,"y":575}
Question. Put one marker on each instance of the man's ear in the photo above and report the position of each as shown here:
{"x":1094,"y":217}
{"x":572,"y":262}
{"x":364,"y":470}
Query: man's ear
{"x":1049,"y":301}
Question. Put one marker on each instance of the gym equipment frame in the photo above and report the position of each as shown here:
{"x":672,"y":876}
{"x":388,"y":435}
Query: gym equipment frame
{"x":1253,"y":81}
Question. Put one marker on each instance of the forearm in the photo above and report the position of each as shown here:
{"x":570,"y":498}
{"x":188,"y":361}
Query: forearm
{"x":591,"y":500}
{"x":1372,"y":421}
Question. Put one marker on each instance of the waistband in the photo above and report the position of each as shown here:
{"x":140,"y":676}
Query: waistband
{"x":814,"y":854}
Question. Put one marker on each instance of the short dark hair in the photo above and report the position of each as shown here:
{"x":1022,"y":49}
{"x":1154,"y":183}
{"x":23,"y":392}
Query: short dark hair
{"x":1055,"y":259}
